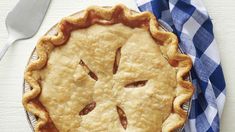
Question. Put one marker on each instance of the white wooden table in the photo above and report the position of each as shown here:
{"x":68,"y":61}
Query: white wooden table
{"x":12,"y":114}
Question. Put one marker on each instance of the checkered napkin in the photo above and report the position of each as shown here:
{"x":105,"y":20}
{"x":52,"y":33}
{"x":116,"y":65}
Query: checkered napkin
{"x":191,"y":23}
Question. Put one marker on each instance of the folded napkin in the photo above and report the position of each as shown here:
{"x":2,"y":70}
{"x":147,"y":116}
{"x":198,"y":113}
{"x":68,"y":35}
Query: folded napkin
{"x":191,"y":23}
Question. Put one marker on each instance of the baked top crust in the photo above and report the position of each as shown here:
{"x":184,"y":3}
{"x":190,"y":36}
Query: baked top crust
{"x":108,"y":69}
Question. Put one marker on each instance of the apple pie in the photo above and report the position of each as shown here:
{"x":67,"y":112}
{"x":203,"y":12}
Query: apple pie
{"x":108,"y":69}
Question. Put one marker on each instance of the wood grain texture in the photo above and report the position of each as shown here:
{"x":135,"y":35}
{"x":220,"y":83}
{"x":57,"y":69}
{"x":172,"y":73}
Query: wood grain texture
{"x":12,"y":115}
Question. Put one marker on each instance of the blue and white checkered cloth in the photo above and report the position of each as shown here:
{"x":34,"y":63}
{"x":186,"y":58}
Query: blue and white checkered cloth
{"x":191,"y":23}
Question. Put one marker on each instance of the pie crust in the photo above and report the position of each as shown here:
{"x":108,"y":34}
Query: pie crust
{"x":108,"y":69}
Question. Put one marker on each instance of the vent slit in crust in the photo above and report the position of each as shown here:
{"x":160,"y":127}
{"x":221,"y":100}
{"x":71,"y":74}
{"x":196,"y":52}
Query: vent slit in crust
{"x":87,"y":69}
{"x":116,"y":60}
{"x":122,"y":117}
{"x":88,"y":108}
{"x":136,"y":84}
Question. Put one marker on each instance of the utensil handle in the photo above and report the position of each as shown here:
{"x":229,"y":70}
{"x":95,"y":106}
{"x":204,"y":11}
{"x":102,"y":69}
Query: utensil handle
{"x":9,"y":42}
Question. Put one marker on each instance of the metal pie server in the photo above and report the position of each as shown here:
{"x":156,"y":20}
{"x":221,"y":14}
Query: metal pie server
{"x":24,"y":21}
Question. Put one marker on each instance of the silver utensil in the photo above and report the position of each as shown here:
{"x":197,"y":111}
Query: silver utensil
{"x":24,"y":21}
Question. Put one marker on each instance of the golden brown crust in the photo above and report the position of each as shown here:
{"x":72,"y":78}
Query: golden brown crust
{"x":116,"y":14}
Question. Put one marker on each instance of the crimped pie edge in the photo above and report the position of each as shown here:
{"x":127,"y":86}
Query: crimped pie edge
{"x":95,"y":14}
